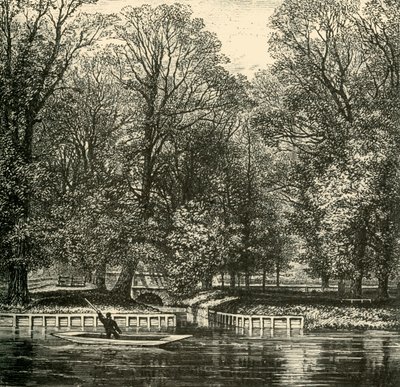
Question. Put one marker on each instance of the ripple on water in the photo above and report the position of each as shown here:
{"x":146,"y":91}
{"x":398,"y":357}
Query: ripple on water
{"x":209,"y":358}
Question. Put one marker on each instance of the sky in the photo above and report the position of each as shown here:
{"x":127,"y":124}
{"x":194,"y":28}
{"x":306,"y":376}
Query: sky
{"x":241,"y":26}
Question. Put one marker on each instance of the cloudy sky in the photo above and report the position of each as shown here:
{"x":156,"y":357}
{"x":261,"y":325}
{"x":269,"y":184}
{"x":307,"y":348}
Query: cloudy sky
{"x":241,"y":25}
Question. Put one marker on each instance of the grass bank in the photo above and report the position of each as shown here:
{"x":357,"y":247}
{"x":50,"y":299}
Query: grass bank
{"x":321,"y":311}
{"x":73,"y":301}
{"x":320,"y":314}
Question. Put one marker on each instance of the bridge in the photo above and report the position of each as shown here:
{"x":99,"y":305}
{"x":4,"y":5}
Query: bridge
{"x":149,"y":287}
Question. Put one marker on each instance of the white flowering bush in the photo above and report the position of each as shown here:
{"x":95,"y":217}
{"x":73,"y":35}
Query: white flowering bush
{"x":197,"y":248}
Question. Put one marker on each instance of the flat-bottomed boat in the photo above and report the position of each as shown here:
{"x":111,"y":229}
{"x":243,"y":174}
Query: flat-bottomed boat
{"x":133,"y":340}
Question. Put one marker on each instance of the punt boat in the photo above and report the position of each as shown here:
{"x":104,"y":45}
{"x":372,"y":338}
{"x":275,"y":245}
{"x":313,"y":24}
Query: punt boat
{"x":138,"y":340}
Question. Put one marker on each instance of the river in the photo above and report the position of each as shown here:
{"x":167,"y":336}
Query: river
{"x":212,"y":357}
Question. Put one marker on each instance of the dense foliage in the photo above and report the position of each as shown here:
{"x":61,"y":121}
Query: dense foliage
{"x":336,"y":67}
{"x":143,"y":147}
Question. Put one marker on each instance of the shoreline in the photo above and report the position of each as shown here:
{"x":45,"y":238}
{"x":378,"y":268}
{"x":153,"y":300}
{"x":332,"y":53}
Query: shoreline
{"x":321,"y":316}
{"x":318,"y":313}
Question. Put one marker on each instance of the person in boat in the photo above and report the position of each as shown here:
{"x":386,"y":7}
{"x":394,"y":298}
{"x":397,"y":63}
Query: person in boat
{"x":110,"y":325}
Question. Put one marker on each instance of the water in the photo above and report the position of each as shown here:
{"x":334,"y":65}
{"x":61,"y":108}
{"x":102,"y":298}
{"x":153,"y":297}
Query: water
{"x":212,"y":357}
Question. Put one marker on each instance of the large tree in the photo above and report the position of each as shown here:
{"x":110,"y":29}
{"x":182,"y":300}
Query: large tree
{"x":173,"y":66}
{"x":78,"y":142}
{"x":378,"y":29}
{"x":38,"y":42}
{"x":333,"y":80}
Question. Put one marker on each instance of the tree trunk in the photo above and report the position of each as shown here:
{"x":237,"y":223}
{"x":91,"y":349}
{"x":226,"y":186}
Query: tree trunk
{"x":324,"y":282}
{"x":383,"y":287}
{"x":124,"y":283}
{"x":341,"y":288}
{"x":18,"y":293}
{"x":146,"y":185}
{"x":149,"y":149}
{"x":223,"y":280}
{"x":247,"y":280}
{"x":123,"y":286}
{"x":207,"y":282}
{"x":278,"y":274}
{"x":356,"y":286}
{"x":101,"y":277}
{"x":264,"y":280}
{"x":89,"y":276}
{"x":232,"y":282}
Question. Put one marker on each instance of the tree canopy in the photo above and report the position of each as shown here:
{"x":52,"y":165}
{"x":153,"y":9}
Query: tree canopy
{"x":124,"y":138}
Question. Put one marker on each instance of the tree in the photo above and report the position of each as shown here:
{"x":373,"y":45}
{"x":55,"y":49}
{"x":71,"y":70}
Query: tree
{"x":78,"y":142}
{"x":194,"y":159}
{"x":326,"y":53}
{"x":378,"y":28}
{"x":173,"y":66}
{"x":39,"y":40}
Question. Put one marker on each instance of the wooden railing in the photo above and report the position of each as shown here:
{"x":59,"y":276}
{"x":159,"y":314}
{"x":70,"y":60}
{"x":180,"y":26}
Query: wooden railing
{"x":85,"y":320}
{"x":256,"y":321}
{"x":357,"y":300}
{"x":72,"y":281}
{"x":37,"y":283}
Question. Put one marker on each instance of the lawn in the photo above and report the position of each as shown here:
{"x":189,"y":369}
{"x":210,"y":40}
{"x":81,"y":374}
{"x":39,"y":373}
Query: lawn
{"x":73,"y":301}
{"x":319,"y":311}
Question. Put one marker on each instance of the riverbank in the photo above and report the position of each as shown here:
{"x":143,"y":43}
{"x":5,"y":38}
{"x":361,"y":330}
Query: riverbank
{"x":320,"y":315}
{"x":73,"y":301}
{"x":319,"y":311}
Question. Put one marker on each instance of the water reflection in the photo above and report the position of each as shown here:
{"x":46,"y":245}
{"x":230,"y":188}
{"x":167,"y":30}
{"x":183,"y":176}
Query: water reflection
{"x":213,"y":357}
{"x":16,"y":363}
